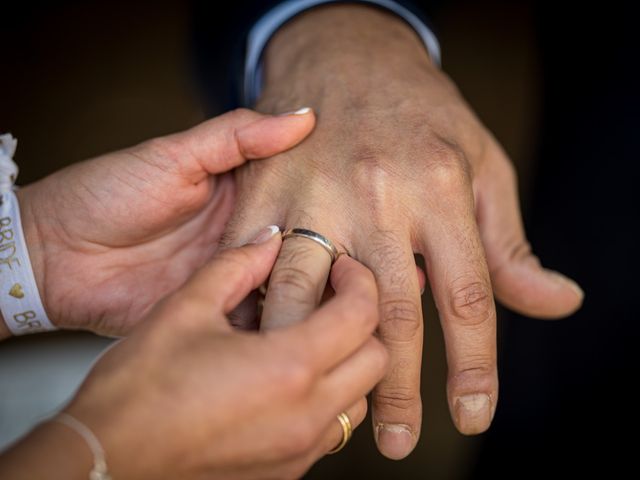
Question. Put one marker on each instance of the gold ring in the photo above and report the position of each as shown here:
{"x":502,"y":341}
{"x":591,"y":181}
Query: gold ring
{"x":347,"y":431}
{"x":321,"y":240}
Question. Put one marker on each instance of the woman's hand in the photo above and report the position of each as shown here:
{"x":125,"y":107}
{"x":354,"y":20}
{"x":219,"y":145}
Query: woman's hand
{"x":110,"y":236}
{"x":187,"y":396}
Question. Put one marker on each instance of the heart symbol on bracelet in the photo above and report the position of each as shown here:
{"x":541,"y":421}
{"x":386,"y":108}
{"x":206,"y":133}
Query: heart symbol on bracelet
{"x":16,"y":291}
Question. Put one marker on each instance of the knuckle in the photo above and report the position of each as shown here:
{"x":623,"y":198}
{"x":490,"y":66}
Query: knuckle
{"x":448,"y":168}
{"x":397,"y":398}
{"x":475,"y":373}
{"x":400,"y":317}
{"x":300,"y":438}
{"x":372,"y":176}
{"x":165,"y":153}
{"x":187,"y":305}
{"x":358,"y":276}
{"x":519,"y":250}
{"x":449,"y":177}
{"x":238,"y":114}
{"x":291,"y":284}
{"x":163,"y":146}
{"x":365,"y":310}
{"x":476,"y":365}
{"x":514,"y":250}
{"x":386,"y":254}
{"x":472,"y":302}
{"x":392,"y":266}
{"x":295,"y":377}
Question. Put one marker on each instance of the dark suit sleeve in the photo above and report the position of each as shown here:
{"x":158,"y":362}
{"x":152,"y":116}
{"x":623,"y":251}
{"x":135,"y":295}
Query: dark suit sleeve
{"x":219,"y":35}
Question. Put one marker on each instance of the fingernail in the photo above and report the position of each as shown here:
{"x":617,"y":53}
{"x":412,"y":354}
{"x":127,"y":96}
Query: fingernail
{"x":474,"y":413}
{"x":422,"y":291}
{"x":394,"y":440}
{"x":266,"y":234}
{"x":564,"y":280}
{"x":300,"y":111}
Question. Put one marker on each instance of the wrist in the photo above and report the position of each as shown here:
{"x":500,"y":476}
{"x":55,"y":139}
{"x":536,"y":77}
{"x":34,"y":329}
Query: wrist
{"x":50,"y":451}
{"x":35,"y":242}
{"x":110,"y":410}
{"x":24,"y":269}
{"x":340,"y":51}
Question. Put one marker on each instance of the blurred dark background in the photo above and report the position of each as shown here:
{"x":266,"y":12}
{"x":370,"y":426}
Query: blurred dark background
{"x":556,"y":87}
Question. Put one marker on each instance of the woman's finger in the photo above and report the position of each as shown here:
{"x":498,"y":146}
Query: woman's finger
{"x":232,"y":275}
{"x":246,"y":316}
{"x":353,"y":378}
{"x":227,"y":141}
{"x":334,"y":433}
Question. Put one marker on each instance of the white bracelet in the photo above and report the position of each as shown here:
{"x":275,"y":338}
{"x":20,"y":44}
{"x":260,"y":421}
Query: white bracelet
{"x":99,"y":470}
{"x":20,"y":301}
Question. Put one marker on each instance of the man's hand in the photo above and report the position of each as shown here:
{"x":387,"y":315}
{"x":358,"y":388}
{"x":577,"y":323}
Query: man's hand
{"x":398,"y":164}
{"x":109,"y":237}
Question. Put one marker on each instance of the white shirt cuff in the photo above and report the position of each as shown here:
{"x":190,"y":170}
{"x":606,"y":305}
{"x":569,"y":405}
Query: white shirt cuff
{"x":264,"y":29}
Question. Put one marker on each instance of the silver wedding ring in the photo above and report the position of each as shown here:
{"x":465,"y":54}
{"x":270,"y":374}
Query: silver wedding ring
{"x":321,"y":240}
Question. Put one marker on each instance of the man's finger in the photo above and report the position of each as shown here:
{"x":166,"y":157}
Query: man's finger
{"x":296,"y":284}
{"x":422,"y":279}
{"x":460,"y":283}
{"x":397,"y":408}
{"x":343,"y":324}
{"x":520,"y":282}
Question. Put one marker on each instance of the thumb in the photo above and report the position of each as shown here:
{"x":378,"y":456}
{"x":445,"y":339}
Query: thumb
{"x":231,"y":275}
{"x":227,"y":141}
{"x":519,"y":280}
